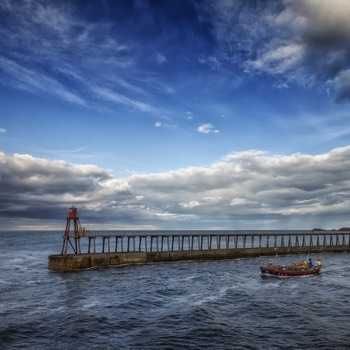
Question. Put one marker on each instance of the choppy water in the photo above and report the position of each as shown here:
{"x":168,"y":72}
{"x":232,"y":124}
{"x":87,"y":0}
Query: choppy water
{"x":186,"y":305}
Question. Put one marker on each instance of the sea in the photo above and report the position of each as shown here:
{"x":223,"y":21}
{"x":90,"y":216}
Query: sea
{"x":224,"y":304}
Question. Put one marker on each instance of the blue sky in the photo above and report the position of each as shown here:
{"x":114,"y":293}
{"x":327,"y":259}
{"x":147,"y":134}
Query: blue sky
{"x":175,"y":114}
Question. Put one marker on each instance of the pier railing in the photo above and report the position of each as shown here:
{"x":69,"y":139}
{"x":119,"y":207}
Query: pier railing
{"x":180,"y":242}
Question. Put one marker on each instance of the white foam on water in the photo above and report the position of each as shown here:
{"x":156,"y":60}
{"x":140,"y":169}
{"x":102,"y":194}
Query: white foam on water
{"x":213,"y":296}
{"x":91,"y":304}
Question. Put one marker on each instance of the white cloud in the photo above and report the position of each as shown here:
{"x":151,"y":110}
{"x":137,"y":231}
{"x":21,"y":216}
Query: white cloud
{"x":207,"y":128}
{"x":160,"y":124}
{"x":189,"y":115}
{"x":280,"y":59}
{"x":30,"y":80}
{"x":160,"y":58}
{"x":247,"y":188}
{"x":191,"y":204}
{"x":116,"y":97}
{"x":2,"y":130}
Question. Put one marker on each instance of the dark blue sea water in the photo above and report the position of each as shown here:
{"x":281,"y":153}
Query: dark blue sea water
{"x":183,"y":305}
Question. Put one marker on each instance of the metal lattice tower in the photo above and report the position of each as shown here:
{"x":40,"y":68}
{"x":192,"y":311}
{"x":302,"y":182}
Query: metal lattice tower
{"x":72,"y":240}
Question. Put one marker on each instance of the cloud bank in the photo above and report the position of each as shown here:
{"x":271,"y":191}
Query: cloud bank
{"x":296,"y":42}
{"x":247,"y":190}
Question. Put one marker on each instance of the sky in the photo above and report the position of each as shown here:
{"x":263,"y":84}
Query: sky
{"x":175,"y":115}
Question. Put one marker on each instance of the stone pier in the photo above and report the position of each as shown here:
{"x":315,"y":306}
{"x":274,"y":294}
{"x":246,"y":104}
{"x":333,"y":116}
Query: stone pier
{"x":123,"y":249}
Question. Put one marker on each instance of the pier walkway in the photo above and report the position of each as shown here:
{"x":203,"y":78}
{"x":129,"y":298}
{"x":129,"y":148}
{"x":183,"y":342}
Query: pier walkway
{"x":83,"y":251}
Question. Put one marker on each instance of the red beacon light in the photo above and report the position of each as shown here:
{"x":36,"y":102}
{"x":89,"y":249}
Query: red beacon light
{"x":73,"y":213}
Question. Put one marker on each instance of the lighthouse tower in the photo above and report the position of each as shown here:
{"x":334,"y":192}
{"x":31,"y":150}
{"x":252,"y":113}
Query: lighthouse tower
{"x":72,"y":240}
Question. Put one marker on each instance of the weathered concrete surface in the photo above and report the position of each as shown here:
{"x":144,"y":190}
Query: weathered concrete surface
{"x":72,"y":262}
{"x":85,"y":261}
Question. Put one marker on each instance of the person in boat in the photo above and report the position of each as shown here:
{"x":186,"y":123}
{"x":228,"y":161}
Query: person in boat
{"x":304,"y":263}
{"x":310,"y":263}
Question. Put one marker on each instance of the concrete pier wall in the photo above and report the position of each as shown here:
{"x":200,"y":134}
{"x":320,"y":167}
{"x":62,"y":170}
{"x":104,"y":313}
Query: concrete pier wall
{"x":259,"y":245}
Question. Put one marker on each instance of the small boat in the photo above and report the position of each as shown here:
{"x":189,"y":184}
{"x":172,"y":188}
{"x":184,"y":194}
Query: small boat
{"x":302,"y":268}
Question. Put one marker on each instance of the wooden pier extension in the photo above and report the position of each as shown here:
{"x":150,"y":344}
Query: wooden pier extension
{"x":115,"y":250}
